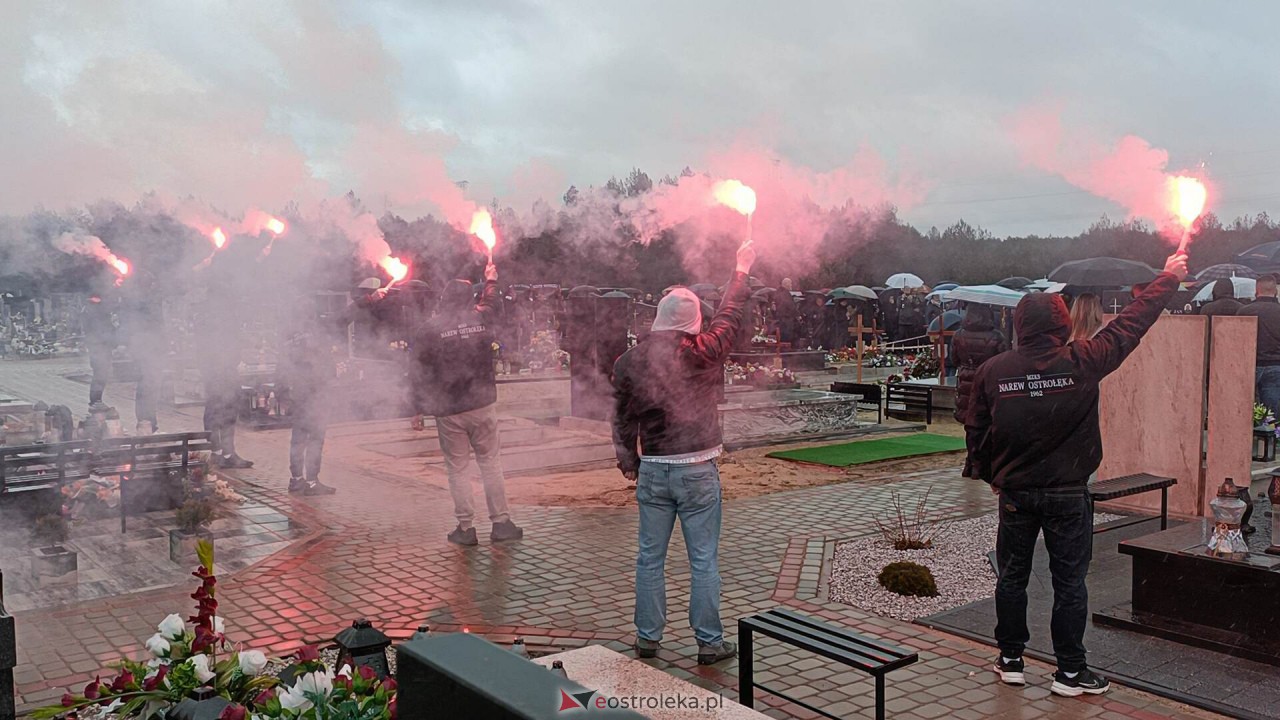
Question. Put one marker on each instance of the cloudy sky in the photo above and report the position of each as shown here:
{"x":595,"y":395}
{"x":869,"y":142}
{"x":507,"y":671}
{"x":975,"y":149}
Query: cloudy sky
{"x":257,"y":102}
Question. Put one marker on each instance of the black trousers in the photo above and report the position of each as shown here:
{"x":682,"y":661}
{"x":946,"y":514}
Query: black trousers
{"x":306,"y":443}
{"x":1066,"y":517}
{"x":221,"y":407}
{"x":100,"y":365}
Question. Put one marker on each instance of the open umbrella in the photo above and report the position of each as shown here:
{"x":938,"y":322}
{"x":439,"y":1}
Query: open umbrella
{"x":985,"y":295}
{"x":841,"y":294}
{"x":763,"y":293}
{"x":583,"y":291}
{"x":1017,"y":282}
{"x":863,"y":292}
{"x":1102,"y":272}
{"x":1264,"y":257}
{"x":943,"y":287}
{"x":1245,"y":289}
{"x":701,"y":289}
{"x":1226,"y":270}
{"x":904,"y":280}
{"x":754,"y":283}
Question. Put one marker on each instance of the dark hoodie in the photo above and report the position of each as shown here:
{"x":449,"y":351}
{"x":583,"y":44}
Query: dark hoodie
{"x":453,"y":372}
{"x":1224,"y":299}
{"x":1033,"y":415}
{"x":977,"y":342}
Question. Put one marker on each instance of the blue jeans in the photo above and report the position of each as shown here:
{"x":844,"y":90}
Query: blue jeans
{"x":1267,"y":383}
{"x":692,"y":493}
{"x":1066,"y":517}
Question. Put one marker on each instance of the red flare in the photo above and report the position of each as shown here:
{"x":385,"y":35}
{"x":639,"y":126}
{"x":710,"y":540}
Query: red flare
{"x":395,"y":267}
{"x":276,"y":226}
{"x":218,"y":237}
{"x":482,"y":227}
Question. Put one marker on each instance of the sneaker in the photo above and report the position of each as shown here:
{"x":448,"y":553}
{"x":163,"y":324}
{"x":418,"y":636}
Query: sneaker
{"x":712,"y":654}
{"x":1086,"y":682}
{"x":463,"y":537}
{"x":235,"y":462}
{"x":315,"y":487}
{"x":505,"y":530}
{"x":1011,"y":672}
{"x":297,"y":484}
{"x":646,"y":648}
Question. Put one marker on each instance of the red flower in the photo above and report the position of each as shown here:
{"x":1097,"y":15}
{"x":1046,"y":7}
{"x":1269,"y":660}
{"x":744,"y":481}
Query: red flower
{"x":122,"y":681}
{"x":91,"y":690}
{"x":391,"y":706}
{"x":68,"y":700}
{"x":265,"y":697}
{"x":203,"y":640}
{"x":308,"y":653}
{"x":367,"y":672}
{"x":233,"y":712}
{"x":154,"y":681}
{"x":389,"y":685}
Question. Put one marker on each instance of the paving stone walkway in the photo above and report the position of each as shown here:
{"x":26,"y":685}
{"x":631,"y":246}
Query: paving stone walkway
{"x":383,"y":555}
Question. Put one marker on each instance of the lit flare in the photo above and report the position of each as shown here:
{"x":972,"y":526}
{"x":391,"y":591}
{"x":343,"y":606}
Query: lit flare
{"x":395,"y":267}
{"x":733,"y":194}
{"x":482,"y":227}
{"x":218,"y":237}
{"x":1187,"y":197}
{"x":276,"y":226}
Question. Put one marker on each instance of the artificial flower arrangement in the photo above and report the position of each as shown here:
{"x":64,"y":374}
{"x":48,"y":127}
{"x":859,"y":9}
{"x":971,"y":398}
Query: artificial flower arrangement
{"x":757,"y":375}
{"x":93,"y":496}
{"x":184,"y":659}
{"x":1263,"y":418}
{"x":544,"y":352}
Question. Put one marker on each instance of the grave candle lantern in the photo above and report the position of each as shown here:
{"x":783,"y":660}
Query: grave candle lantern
{"x":1228,"y":509}
{"x":1273,"y":494}
{"x":363,"y":645}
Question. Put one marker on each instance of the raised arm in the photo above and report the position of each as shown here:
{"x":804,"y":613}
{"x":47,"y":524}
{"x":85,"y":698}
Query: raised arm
{"x":712,"y":347}
{"x":1105,"y":352}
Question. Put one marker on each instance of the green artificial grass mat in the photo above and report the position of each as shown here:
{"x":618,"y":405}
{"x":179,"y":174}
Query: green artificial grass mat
{"x":865,"y":451}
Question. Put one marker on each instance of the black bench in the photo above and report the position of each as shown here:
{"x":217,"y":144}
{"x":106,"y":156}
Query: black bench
{"x":27,"y":468}
{"x":874,"y":657}
{"x":871,"y":394}
{"x":1127,"y":485}
{"x":914,"y":399}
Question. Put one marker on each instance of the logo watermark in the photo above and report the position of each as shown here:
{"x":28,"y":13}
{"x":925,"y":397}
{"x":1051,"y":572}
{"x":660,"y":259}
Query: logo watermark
{"x":593,"y":700}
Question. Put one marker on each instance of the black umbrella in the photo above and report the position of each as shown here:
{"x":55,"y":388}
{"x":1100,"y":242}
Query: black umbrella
{"x":763,"y":293}
{"x":583,"y":291}
{"x":701,"y":289}
{"x":1014,"y":283}
{"x":754,"y":283}
{"x":1226,"y":270}
{"x":1102,"y":272}
{"x":1263,"y":257}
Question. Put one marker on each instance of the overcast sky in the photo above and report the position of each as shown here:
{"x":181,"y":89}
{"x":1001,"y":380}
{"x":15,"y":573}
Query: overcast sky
{"x":255,"y":102}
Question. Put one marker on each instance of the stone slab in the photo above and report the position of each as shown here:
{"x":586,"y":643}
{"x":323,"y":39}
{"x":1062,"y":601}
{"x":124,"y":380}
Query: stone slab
{"x":1229,"y":430}
{"x":615,"y":675}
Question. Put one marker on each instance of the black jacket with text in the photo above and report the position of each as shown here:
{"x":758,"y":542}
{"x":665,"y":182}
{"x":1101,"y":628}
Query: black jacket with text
{"x":453,"y":354}
{"x":1033,"y":413}
{"x":668,"y":386}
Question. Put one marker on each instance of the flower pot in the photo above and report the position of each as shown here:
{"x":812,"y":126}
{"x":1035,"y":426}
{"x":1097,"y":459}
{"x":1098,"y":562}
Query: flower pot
{"x":55,"y":565}
{"x":182,"y":544}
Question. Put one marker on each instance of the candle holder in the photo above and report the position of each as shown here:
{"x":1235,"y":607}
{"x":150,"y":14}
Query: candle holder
{"x":1227,"y":542}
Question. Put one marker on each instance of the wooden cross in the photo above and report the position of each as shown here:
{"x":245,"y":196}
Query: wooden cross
{"x":1115,"y":305}
{"x":939,"y":338}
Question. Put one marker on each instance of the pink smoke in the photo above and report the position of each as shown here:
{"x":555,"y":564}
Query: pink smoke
{"x":1130,"y":173}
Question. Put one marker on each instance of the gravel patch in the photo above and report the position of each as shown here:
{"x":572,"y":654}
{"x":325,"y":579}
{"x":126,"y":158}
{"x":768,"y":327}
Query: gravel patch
{"x":958,"y":562}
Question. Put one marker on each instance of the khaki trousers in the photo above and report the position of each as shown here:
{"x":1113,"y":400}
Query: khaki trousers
{"x":474,"y":430}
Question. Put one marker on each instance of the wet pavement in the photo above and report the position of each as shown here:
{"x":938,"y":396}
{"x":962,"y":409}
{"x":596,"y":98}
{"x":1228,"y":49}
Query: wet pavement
{"x":379,"y":552}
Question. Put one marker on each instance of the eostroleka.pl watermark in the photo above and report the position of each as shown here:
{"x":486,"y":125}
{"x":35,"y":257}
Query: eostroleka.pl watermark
{"x":593,"y":700}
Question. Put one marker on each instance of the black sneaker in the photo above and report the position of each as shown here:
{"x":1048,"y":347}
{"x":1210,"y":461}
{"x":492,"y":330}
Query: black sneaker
{"x":1086,"y":682}
{"x":505,"y":530}
{"x":297,"y":485}
{"x":712,"y":654}
{"x":315,"y":487}
{"x":235,"y":462}
{"x":463,"y":537}
{"x":1012,"y":672}
{"x":646,"y":648}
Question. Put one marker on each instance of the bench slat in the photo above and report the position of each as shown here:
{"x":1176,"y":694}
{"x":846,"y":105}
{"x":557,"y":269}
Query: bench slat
{"x":844,"y":633}
{"x":1127,"y":485}
{"x":863,"y":653}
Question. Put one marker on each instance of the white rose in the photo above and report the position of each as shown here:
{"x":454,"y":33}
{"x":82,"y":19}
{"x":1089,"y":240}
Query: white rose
{"x":158,"y":646}
{"x":314,"y":684}
{"x":219,"y":626}
{"x":172,"y":627}
{"x":252,"y":662}
{"x":201,"y":665}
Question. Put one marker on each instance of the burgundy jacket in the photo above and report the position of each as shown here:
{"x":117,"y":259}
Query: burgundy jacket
{"x":1033,"y":412}
{"x":667,"y":388}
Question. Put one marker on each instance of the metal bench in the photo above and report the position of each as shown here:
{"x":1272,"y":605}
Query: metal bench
{"x":913,"y":399}
{"x":1127,"y":485}
{"x":30,"y":468}
{"x":870,"y":394}
{"x":872,"y":656}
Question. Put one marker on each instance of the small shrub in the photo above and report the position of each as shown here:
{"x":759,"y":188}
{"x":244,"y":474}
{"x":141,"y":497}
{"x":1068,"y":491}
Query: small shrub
{"x":50,"y":530}
{"x":910,"y":530}
{"x":908,"y":578}
{"x":195,"y":514}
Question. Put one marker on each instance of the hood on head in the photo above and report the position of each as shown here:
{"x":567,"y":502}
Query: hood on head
{"x":1223,"y":288}
{"x":978,"y":317}
{"x":1042,"y":320}
{"x":457,"y":294}
{"x":681,"y":311}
